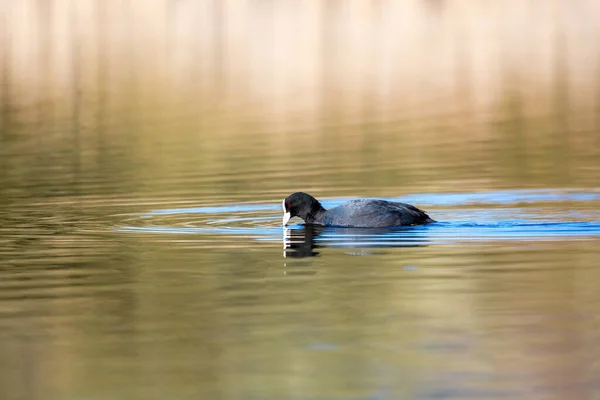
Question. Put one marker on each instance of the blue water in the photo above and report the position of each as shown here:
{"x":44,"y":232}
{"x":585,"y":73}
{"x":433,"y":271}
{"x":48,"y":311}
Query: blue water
{"x":463,"y":217}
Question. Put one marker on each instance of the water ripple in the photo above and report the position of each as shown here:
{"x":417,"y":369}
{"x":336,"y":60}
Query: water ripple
{"x":465,"y":217}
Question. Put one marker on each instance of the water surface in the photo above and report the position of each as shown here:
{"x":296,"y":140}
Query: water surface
{"x":144,"y":157}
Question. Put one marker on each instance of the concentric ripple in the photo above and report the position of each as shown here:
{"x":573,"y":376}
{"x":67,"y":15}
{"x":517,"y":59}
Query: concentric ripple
{"x":464,"y":217}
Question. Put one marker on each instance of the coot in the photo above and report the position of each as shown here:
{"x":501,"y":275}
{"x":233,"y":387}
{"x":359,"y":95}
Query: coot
{"x":355,"y":213}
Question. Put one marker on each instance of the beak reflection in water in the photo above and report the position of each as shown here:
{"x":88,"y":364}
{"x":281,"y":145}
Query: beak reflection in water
{"x":287,"y":240}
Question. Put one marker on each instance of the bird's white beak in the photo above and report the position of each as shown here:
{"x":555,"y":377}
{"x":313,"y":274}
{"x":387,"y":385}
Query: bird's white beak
{"x":286,"y":214}
{"x":286,"y":218}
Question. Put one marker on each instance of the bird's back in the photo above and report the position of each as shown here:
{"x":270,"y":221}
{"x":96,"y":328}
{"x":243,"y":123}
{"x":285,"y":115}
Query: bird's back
{"x":374,"y":213}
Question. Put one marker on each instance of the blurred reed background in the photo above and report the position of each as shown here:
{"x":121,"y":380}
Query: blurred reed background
{"x":480,"y":94}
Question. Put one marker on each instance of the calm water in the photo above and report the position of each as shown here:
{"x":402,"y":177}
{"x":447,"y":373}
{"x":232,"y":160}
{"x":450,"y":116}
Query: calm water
{"x":141,"y":249}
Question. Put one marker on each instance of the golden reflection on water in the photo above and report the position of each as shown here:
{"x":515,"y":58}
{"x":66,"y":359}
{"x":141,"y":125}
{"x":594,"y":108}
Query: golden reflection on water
{"x":425,"y":95}
{"x":465,"y":321}
{"x":110,"y":109}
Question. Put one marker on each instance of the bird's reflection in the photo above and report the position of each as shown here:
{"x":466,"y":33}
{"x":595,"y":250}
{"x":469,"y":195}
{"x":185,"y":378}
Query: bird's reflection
{"x":300,"y":242}
{"x":304,"y":240}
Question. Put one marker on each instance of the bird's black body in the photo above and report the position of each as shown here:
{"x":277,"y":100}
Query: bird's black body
{"x":355,"y":213}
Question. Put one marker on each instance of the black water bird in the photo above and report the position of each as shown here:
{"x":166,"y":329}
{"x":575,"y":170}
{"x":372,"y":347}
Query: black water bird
{"x":363,"y":213}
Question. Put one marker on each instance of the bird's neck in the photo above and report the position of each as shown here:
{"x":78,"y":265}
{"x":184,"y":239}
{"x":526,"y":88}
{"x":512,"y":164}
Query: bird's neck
{"x":315,"y":215}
